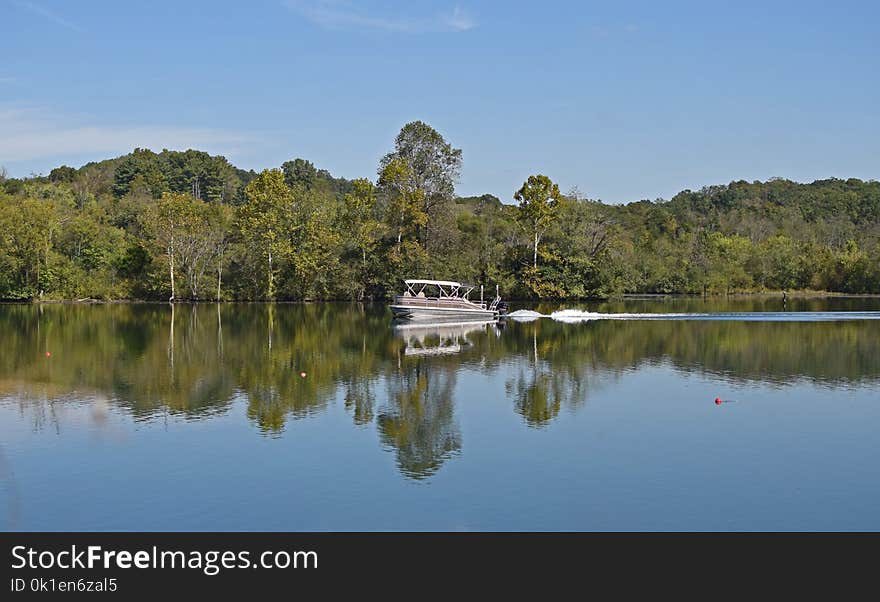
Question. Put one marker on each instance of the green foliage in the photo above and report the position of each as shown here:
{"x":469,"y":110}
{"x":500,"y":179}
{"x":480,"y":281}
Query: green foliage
{"x":105,"y":231}
{"x":62,"y":174}
{"x":265,"y":221}
{"x":365,"y":231}
{"x":205,"y":177}
{"x":140,"y":172}
{"x":420,"y":175}
{"x":27,"y":228}
{"x":191,"y":235}
{"x":539,"y":201}
{"x":404,"y":200}
{"x":303,"y":176}
{"x":299,"y":173}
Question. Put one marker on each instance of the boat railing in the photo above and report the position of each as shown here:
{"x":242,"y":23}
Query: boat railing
{"x":434,"y":301}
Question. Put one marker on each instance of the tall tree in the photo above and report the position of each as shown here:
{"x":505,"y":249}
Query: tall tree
{"x":220,"y":223}
{"x":404,"y":207}
{"x":315,"y":235}
{"x":539,"y":201}
{"x":264,"y":219}
{"x":186,"y":229}
{"x":361,"y":222}
{"x":430,"y":167}
{"x":27,"y":228}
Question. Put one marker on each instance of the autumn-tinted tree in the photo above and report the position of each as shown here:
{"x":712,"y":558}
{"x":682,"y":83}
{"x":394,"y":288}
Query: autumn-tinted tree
{"x":539,"y":201}
{"x":424,"y":168}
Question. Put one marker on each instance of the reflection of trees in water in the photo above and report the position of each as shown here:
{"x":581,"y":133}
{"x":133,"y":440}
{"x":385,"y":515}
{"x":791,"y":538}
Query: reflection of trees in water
{"x":418,"y":421}
{"x":39,"y":404}
{"x":365,"y":350}
{"x":360,"y":399}
{"x":536,"y":396}
{"x":195,"y":360}
{"x":185,"y":375}
{"x":827,"y":353}
{"x":122,"y":351}
{"x":275,"y":346}
{"x":543,"y":385}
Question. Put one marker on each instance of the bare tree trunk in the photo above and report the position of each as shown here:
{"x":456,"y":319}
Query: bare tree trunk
{"x":364,"y":275}
{"x":535,"y":258}
{"x":271,"y":281}
{"x":193,"y":284}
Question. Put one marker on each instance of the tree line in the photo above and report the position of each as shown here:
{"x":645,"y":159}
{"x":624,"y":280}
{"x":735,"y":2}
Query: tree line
{"x":186,"y":225}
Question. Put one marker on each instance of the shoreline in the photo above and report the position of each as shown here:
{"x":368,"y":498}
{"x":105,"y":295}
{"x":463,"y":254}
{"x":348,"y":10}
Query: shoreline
{"x":624,"y":297}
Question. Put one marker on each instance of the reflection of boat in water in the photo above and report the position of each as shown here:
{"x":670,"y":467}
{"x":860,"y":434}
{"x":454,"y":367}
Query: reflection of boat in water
{"x":437,"y":300}
{"x":439,"y":338}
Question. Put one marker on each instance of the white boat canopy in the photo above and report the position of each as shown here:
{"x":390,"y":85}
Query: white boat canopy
{"x":447,"y":288}
{"x":437,"y":282}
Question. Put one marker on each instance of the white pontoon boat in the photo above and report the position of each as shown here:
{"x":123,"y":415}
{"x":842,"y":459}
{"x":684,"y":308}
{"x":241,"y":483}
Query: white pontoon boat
{"x":437,"y":300}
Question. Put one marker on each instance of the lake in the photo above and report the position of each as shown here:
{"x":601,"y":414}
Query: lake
{"x":325,"y":417}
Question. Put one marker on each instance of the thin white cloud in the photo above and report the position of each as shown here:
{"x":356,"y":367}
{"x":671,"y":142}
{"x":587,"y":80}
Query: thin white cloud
{"x":48,"y":14}
{"x":31,"y":135}
{"x":341,"y":14}
{"x":459,"y":20}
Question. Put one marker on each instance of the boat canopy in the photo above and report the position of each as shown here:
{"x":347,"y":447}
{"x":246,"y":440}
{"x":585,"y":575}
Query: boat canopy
{"x":448,"y":288}
{"x":437,"y":282}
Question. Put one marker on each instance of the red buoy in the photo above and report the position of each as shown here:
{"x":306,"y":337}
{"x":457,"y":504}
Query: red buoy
{"x":717,"y":401}
{"x":48,"y":354}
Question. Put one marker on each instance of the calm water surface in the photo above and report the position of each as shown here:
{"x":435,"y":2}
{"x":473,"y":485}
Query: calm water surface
{"x":324,"y":417}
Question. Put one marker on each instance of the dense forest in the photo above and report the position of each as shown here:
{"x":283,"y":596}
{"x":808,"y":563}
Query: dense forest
{"x":190,"y":226}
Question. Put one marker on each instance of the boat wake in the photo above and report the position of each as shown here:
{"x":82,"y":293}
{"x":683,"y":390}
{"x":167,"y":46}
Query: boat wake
{"x":577,"y":315}
{"x":526,"y":315}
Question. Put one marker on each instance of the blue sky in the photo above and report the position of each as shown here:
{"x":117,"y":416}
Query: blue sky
{"x":625,"y":100}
